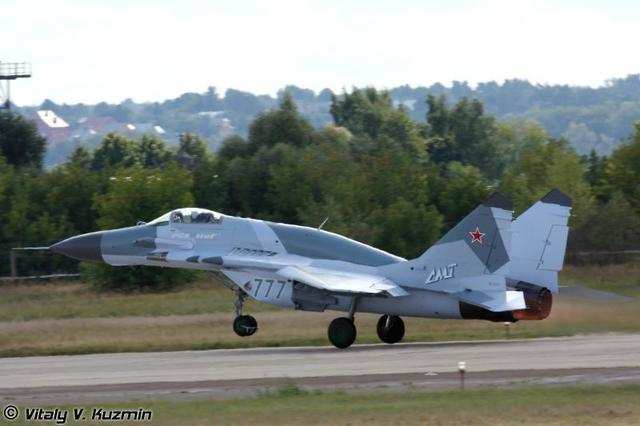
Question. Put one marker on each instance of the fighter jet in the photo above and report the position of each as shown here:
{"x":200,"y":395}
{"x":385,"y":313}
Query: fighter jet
{"x":489,"y":266}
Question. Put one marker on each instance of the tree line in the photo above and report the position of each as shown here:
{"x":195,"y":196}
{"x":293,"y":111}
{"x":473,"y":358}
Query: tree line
{"x":377,"y":174}
{"x":589,"y":118}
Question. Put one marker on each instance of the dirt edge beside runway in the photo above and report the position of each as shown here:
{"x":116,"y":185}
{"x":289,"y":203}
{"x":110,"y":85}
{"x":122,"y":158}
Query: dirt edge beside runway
{"x":229,"y":389}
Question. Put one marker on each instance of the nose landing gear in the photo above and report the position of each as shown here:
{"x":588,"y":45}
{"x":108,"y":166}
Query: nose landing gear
{"x":390,"y":328}
{"x":243,"y":325}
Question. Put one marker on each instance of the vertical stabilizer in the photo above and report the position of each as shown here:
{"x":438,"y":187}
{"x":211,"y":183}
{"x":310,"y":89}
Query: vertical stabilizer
{"x":473,"y":254}
{"x":539,"y":240}
{"x":480,"y":239}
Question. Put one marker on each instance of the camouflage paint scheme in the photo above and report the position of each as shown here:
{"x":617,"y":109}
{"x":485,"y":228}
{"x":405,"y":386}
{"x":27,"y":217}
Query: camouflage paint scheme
{"x":482,"y":268}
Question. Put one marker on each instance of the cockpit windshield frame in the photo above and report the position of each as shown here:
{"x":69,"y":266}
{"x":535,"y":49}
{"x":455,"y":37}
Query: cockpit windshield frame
{"x":189,"y":216}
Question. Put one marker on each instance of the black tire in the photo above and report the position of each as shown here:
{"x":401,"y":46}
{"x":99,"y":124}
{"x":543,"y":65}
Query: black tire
{"x":245,"y":325}
{"x":394,"y":332}
{"x":342,"y":333}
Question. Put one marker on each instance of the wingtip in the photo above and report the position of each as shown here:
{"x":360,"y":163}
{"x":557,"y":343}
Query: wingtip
{"x":555,"y":196}
{"x":500,"y":201}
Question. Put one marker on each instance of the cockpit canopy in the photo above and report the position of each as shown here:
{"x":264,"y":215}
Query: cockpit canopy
{"x":188,"y":215}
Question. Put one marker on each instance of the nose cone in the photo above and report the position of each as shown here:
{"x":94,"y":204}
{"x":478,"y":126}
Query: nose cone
{"x":81,"y":247}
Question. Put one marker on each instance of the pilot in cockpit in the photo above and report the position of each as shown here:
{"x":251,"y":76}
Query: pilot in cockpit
{"x":204,"y":217}
{"x":177,"y":217}
{"x":189,"y":216}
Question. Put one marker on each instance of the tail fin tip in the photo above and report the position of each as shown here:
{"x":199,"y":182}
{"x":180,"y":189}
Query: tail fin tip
{"x":499,"y":200}
{"x":555,"y":196}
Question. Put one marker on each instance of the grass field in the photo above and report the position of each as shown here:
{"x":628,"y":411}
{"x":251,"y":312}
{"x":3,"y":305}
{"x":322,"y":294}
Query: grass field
{"x":68,"y":317}
{"x":584,"y":405}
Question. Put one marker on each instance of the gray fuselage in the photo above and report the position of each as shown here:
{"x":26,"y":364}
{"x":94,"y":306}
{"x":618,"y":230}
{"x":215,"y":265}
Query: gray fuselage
{"x":250,"y":252}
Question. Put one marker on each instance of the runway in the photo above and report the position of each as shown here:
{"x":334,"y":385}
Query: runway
{"x":601,"y":357}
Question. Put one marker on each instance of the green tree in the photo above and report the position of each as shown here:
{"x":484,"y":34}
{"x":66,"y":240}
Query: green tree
{"x":371,"y":113}
{"x":283,"y":125}
{"x":211,"y":185}
{"x":234,"y":146}
{"x":28,"y":219}
{"x":596,"y":176}
{"x":153,"y":152}
{"x":137,"y":194}
{"x":119,"y":112}
{"x":464,"y":134}
{"x":514,"y":136}
{"x":71,"y":187}
{"x":623,"y":169}
{"x":81,"y":157}
{"x":406,"y":228}
{"x":7,"y":188}
{"x":134,"y":194}
{"x":115,"y":151}
{"x":20,"y":142}
{"x":192,"y":150}
{"x":40,"y":208}
{"x":613,"y":226}
{"x":544,"y":166}
{"x":289,"y":186}
{"x":461,"y":189}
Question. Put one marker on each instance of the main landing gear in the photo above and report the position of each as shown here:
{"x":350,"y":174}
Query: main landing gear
{"x":243,"y":325}
{"x":342,"y":331}
{"x":390,"y":328}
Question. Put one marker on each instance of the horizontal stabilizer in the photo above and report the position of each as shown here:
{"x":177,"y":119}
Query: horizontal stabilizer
{"x":342,"y":282}
{"x":482,"y":283}
{"x":494,"y":301}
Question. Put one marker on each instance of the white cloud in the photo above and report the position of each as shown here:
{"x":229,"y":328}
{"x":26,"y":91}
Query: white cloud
{"x":151,"y":50}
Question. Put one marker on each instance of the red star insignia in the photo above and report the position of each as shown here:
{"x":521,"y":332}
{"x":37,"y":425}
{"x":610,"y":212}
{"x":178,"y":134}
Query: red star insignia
{"x":476,"y":236}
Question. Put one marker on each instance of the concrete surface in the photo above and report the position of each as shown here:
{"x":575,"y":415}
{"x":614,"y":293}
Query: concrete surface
{"x":594,"y":358}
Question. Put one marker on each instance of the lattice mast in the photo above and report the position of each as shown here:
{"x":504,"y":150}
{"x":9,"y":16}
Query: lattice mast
{"x":11,"y":71}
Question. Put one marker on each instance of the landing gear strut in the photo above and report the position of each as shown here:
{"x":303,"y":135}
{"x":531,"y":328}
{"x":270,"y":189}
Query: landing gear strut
{"x":342,"y":331}
{"x":243,"y":325}
{"x":390,"y":328}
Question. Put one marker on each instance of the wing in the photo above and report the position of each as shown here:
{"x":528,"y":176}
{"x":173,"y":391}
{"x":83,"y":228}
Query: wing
{"x":342,"y":282}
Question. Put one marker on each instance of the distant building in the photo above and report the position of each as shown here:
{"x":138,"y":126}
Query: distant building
{"x":51,"y":126}
{"x":146,"y":128}
{"x":211,"y":114}
{"x":89,"y":126}
{"x":226,"y":129}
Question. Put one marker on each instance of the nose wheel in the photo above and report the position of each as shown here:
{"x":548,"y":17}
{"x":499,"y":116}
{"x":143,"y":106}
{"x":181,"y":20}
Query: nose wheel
{"x":390,"y":328}
{"x":243,"y":325}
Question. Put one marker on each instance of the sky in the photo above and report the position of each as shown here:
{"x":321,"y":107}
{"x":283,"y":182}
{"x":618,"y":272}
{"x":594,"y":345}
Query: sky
{"x":150,"y":50}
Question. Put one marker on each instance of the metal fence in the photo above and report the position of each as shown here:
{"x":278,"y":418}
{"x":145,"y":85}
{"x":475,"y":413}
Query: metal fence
{"x":35,"y":263}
